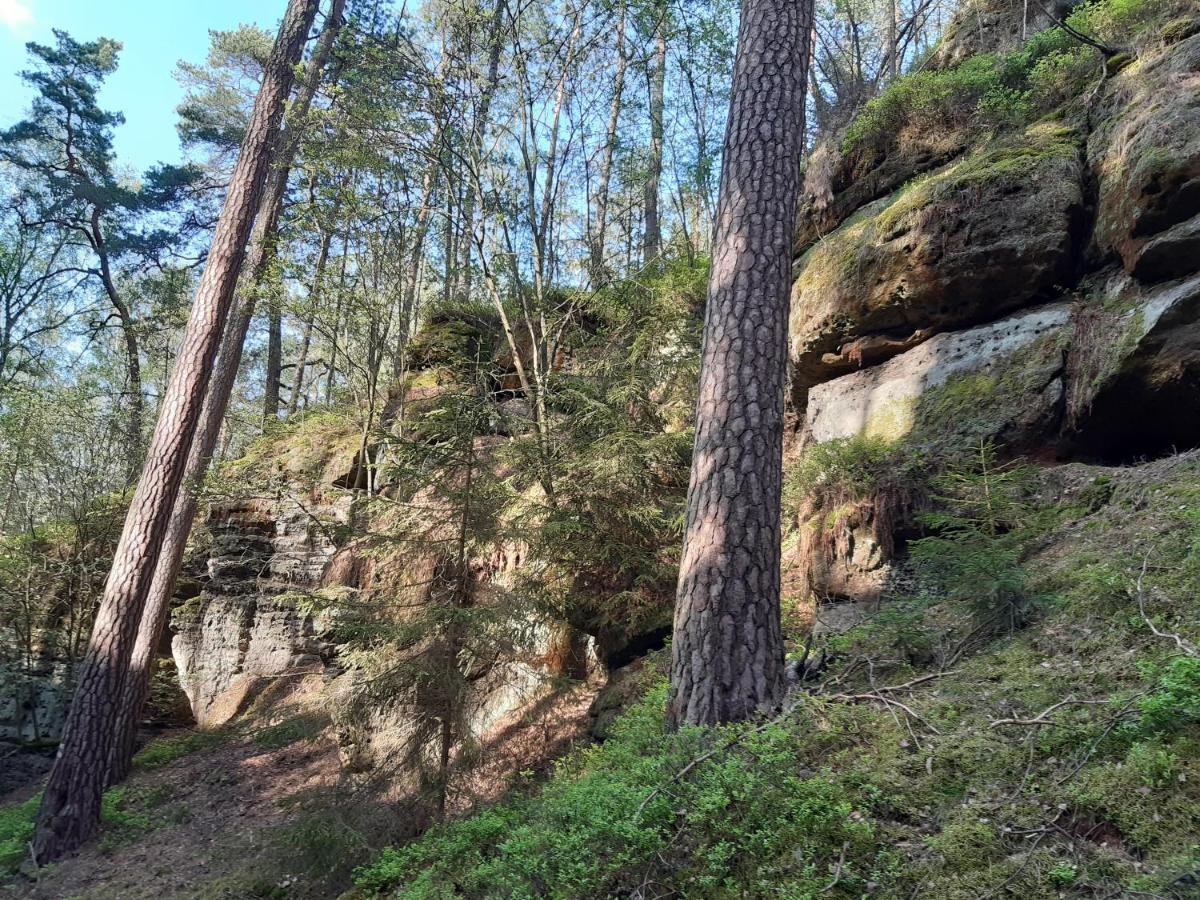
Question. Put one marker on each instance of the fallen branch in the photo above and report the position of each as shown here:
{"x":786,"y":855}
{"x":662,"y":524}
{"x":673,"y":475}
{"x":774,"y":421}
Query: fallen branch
{"x":837,"y":872}
{"x":909,"y":685}
{"x":879,"y":695}
{"x":1040,"y":718}
{"x":1185,"y":646}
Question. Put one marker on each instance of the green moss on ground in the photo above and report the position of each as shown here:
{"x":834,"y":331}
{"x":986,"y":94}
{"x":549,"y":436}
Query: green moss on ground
{"x":167,"y":749}
{"x":1058,"y":760}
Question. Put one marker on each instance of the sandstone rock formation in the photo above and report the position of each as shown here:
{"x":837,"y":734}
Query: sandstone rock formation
{"x":989,"y":233}
{"x":1145,"y":155}
{"x":1041,"y":291}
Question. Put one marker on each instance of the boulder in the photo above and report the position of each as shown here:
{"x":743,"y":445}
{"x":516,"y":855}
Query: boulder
{"x":1145,"y":156}
{"x":991,"y":233}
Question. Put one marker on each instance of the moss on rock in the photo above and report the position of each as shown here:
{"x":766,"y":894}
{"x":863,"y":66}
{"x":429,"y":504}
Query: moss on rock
{"x":987,"y":234}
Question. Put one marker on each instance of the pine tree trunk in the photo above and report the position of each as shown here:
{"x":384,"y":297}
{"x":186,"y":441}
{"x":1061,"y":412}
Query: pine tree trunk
{"x":70,"y":809}
{"x":652,"y":237}
{"x":216,"y":401}
{"x":727,"y":653}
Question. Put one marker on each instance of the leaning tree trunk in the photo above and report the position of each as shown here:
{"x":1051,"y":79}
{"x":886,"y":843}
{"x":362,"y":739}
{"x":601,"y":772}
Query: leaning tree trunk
{"x":70,"y":809}
{"x":216,"y":400}
{"x":727,"y":653}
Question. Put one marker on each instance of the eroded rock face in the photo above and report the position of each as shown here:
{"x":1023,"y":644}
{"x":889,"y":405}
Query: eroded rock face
{"x":276,"y":582}
{"x":389,"y":729}
{"x":1145,"y":154}
{"x":1041,"y":292}
{"x":886,"y":400}
{"x":248,"y":626}
{"x":236,"y":644}
{"x":990,"y":233}
{"x":33,"y":705}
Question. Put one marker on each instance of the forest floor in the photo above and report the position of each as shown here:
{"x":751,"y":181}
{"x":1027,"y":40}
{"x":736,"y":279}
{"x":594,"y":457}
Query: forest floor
{"x":265,"y":808}
{"x":189,"y":826}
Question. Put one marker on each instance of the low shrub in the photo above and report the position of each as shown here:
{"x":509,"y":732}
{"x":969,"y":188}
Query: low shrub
{"x":16,"y":830}
{"x":747,"y":820}
{"x":999,"y":90}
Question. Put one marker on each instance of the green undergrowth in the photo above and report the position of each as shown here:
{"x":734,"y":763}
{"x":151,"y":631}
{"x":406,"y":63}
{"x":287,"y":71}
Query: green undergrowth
{"x":129,"y":811}
{"x":612,"y":818}
{"x":127,"y":814}
{"x":167,"y":749}
{"x":1056,"y":756}
{"x":1000,"y":90}
{"x":16,"y":828}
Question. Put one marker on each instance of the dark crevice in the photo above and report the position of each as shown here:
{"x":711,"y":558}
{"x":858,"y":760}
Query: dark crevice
{"x":1136,"y":421}
{"x":637,"y":648}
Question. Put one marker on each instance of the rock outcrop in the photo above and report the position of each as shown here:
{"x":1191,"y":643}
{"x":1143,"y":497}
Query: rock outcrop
{"x":1017,"y":361}
{"x":1143,"y":381}
{"x":1040,"y":291}
{"x":972,"y":241}
{"x":33,"y":704}
{"x":1145,"y":154}
{"x":251,"y":623}
{"x":281,"y":579}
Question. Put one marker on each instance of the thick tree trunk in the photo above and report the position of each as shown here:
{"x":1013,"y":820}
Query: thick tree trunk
{"x":727,"y":653}
{"x":216,"y":401}
{"x":652,"y":237}
{"x":70,"y":808}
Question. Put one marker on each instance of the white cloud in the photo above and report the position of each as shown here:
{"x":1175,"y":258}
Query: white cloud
{"x":15,"y":15}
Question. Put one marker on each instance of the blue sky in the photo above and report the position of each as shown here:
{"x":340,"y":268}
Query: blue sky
{"x":156,"y":35}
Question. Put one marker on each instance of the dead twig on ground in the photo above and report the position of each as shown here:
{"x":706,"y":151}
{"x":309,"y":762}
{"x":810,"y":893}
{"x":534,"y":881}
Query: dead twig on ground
{"x":837,"y":871}
{"x":1040,"y":718}
{"x":1138,"y":592}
